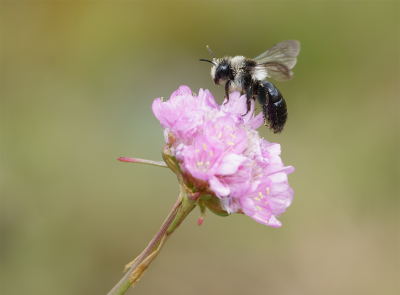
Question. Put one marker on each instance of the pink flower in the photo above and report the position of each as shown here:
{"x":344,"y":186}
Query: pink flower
{"x":221,"y":155}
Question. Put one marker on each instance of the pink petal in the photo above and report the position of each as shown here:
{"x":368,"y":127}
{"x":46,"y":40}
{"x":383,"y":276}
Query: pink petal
{"x":274,"y":222}
{"x":274,"y":149}
{"x":181,"y":91}
{"x":236,"y":105}
{"x":238,"y":182}
{"x":287,"y":170}
{"x":240,"y":141}
{"x":256,"y":121}
{"x":218,"y":188}
{"x":277,"y":206}
{"x":230,"y":164}
{"x":156,"y":107}
{"x":208,"y":99}
{"x":231,"y":205}
{"x":248,"y":206}
{"x":249,"y":114}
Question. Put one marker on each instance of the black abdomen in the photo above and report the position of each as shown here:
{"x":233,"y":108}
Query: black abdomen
{"x":277,"y":110}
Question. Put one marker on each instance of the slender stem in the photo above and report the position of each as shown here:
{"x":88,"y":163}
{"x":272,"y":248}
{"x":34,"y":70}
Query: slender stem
{"x":178,"y":213}
{"x":143,"y":161}
{"x":125,"y":283}
{"x":185,"y":208}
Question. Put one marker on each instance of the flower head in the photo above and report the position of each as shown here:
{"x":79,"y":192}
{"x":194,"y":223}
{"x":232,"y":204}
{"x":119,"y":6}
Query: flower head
{"x":221,"y":157}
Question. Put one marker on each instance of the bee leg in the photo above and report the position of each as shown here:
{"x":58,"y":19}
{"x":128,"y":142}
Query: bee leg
{"x":265,"y":115}
{"x":249,"y":96}
{"x":227,"y":90}
{"x":263,"y":98}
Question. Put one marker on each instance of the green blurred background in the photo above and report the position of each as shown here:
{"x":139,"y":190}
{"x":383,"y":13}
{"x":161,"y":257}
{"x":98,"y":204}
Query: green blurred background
{"x":77,"y":83}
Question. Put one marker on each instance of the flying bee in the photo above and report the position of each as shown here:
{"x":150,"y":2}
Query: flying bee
{"x":247,"y":76}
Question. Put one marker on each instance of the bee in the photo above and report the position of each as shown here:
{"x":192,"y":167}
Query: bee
{"x":247,"y":76}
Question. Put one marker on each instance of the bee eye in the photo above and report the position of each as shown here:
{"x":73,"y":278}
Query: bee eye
{"x":222,"y":71}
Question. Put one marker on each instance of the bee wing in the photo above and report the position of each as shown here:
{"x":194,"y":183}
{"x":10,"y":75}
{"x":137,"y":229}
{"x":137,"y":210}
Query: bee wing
{"x":284,"y":52}
{"x":278,"y":61}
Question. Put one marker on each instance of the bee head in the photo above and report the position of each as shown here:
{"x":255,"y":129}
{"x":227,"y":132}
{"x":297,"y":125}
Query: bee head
{"x":220,"y":69}
{"x":220,"y":72}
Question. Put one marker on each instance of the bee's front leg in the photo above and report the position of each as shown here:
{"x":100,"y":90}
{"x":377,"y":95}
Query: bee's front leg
{"x":249,"y":96}
{"x":227,"y":84}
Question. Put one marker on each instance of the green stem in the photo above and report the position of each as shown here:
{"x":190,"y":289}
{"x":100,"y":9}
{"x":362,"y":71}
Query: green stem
{"x":185,"y":208}
{"x":179,"y":212}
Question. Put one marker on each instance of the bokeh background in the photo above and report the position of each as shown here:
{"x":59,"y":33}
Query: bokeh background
{"x":77,"y":83}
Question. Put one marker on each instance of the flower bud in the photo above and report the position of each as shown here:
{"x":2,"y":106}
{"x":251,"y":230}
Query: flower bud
{"x":166,"y":154}
{"x":213,"y":203}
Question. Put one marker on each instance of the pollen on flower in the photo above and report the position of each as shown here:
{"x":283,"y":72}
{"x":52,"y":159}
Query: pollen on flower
{"x":257,"y":199}
{"x":204,"y":146}
{"x":199,"y":163}
{"x":268,"y":190}
{"x":258,"y":208}
{"x":197,"y":151}
{"x":219,"y":135}
{"x":208,"y":163}
{"x":231,"y":143}
{"x":261,"y":195}
{"x":211,"y":153}
{"x":216,"y":126}
{"x":266,"y":203}
{"x":233,"y":136}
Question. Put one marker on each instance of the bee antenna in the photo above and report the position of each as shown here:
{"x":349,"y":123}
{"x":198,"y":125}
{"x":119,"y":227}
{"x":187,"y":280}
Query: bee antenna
{"x":207,"y":61}
{"x":208,"y":48}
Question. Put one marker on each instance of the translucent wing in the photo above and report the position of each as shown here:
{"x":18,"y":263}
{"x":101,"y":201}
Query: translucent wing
{"x":285,"y":53}
{"x":278,"y":61}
